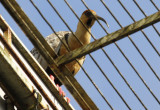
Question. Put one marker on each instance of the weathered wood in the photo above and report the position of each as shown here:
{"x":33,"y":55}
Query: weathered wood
{"x":7,"y":36}
{"x":29,"y":29}
{"x":26,"y":54}
{"x":20,"y":61}
{"x":16,"y":83}
{"x":108,"y":39}
{"x":37,"y":39}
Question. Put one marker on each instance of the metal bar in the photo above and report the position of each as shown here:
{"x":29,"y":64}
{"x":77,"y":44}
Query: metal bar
{"x":99,"y":89}
{"x":97,"y":86}
{"x":152,"y":26}
{"x":65,"y":77}
{"x":49,"y":25}
{"x":127,"y":58}
{"x":108,"y":39}
{"x":137,"y":47}
{"x":141,"y":30}
{"x":154,"y":5}
{"x":140,"y":77}
{"x":157,"y":10}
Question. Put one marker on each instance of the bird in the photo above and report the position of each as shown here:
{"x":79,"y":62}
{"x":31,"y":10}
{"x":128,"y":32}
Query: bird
{"x":82,"y":33}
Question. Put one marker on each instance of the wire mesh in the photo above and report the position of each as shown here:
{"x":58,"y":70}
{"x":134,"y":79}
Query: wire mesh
{"x":116,"y":68}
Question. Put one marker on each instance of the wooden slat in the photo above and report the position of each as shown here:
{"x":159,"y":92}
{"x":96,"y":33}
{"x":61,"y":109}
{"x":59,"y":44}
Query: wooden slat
{"x":15,"y":82}
{"x":29,"y":58}
{"x":36,"y":38}
{"x":108,"y":39}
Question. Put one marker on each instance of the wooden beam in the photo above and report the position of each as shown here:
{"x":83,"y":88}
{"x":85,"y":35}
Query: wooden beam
{"x":26,"y":25}
{"x":37,"y":39}
{"x":29,"y":58}
{"x":108,"y":39}
{"x":15,"y":83}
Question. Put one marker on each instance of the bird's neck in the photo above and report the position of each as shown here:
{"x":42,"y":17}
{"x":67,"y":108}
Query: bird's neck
{"x":82,"y":34}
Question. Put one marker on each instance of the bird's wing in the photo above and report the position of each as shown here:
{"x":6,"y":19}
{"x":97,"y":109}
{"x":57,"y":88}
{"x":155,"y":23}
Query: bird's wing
{"x":54,"y":42}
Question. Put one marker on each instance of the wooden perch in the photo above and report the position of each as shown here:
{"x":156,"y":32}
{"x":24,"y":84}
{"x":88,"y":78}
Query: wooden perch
{"x":108,"y":39}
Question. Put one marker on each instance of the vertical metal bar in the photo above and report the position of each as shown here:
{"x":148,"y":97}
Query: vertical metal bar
{"x":152,"y":25}
{"x":154,"y":5}
{"x":97,"y":89}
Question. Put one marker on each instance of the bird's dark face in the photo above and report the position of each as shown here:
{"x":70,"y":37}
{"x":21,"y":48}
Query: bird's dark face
{"x":89,"y":17}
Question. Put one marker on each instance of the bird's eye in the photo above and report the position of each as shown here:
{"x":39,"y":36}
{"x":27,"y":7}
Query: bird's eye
{"x":88,"y":13}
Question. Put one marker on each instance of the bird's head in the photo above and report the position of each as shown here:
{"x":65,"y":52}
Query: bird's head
{"x":89,"y":17}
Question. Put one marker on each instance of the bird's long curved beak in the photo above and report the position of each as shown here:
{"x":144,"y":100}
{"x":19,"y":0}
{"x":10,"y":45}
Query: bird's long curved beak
{"x":100,"y":18}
